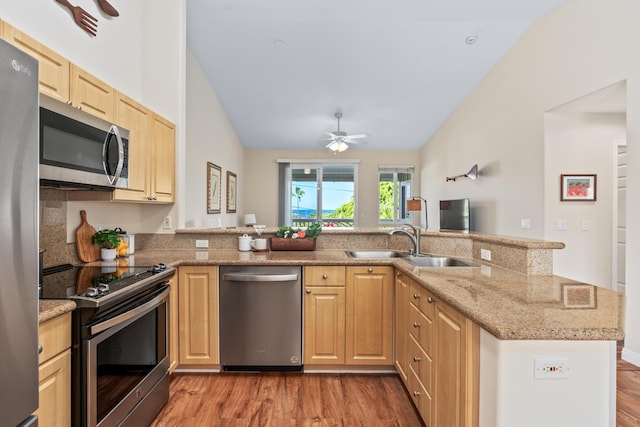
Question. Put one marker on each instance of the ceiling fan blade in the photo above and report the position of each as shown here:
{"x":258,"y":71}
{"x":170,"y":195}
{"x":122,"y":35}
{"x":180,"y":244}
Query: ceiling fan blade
{"x":348,"y":141}
{"x":360,"y":135}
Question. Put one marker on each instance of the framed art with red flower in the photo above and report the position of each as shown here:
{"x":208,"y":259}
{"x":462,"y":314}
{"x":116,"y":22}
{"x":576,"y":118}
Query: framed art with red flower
{"x":578,"y":188}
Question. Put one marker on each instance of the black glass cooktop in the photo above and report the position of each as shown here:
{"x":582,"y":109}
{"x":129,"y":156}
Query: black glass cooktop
{"x":69,"y":281}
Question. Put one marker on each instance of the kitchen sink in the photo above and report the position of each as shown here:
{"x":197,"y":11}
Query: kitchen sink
{"x":437,"y":261}
{"x":377,"y":254}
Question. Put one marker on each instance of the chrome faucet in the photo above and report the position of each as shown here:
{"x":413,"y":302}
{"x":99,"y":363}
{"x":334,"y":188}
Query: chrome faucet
{"x":415,"y":237}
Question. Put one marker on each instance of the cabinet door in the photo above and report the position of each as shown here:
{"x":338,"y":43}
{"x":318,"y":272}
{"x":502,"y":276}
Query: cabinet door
{"x":401,"y":327}
{"x":456,"y":370}
{"x":163,"y":159}
{"x":198,"y":315}
{"x":136,"y":118}
{"x":369,"y":316}
{"x":174,"y":355}
{"x":53,"y":69}
{"x":324,"y":325}
{"x":90,"y":94}
{"x":55,"y":391}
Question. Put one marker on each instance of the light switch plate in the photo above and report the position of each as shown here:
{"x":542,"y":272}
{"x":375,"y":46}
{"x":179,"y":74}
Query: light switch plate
{"x":202,"y":243}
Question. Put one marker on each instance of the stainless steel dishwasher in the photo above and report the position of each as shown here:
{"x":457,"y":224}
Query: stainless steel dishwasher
{"x":261,"y":318}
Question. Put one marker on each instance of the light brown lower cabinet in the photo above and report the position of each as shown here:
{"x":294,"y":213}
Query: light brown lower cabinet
{"x":55,"y":372}
{"x":441,"y":356}
{"x":348,"y":315}
{"x":198,"y":315}
{"x":174,"y":325}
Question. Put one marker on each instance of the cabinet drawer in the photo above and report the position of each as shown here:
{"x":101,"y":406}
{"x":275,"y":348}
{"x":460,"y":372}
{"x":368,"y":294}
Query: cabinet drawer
{"x":324,"y":275}
{"x":54,"y":336}
{"x":421,"y":328}
{"x":421,"y":297}
{"x":420,"y":397}
{"x":421,"y":364}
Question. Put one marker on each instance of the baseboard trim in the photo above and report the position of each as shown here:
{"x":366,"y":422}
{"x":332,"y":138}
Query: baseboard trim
{"x":630,"y":356}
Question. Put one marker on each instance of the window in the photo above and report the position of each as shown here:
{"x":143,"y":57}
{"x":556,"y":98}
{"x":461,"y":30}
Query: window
{"x":394,"y":188}
{"x":324,"y":194}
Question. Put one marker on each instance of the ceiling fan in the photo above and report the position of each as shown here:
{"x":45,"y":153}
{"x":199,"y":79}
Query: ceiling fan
{"x":340,"y":140}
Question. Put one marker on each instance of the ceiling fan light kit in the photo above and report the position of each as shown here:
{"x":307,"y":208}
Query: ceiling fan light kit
{"x":340,"y":140}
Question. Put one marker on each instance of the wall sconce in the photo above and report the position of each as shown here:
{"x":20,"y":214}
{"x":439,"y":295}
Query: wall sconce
{"x":413,"y":204}
{"x":472,"y":174}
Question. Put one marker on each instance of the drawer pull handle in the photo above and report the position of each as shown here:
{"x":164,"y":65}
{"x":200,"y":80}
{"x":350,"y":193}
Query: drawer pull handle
{"x":416,"y":324}
{"x":430,"y":300}
{"x":416,"y":359}
{"x":370,"y":270}
{"x":325,"y":277}
{"x":416,"y":393}
{"x":416,"y":296}
{"x":308,"y":291}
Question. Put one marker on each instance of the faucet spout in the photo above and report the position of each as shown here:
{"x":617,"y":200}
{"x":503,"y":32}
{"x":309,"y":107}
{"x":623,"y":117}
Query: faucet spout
{"x":415,"y":237}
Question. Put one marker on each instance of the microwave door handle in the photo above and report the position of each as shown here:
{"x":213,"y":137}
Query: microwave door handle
{"x":113,"y":132}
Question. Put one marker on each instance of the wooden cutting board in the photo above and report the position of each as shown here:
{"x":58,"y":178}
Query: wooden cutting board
{"x":87,"y":251}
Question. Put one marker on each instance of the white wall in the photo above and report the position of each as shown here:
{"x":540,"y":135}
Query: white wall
{"x":575,"y":50}
{"x":511,"y":396}
{"x":581,"y":143}
{"x":210,"y":138}
{"x":261,"y":194}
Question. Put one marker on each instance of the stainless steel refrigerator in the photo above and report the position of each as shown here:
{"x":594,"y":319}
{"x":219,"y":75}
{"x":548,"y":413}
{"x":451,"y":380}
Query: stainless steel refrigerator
{"x":18,"y":237}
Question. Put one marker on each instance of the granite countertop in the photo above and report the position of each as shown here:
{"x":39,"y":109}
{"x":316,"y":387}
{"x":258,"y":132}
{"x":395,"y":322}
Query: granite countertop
{"x":50,"y":308}
{"x":507,"y":304}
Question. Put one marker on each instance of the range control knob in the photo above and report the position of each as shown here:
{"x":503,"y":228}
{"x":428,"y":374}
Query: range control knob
{"x":156,"y":268}
{"x":162,"y":266}
{"x":103,"y":288}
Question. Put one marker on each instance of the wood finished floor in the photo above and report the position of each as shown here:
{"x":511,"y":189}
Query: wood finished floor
{"x":278,"y":399}
{"x":286,"y":399}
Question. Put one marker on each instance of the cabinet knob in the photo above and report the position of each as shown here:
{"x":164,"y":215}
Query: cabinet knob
{"x":325,"y":277}
{"x":398,"y":274}
{"x":370,"y":270}
{"x":416,"y":359}
{"x":69,"y":102}
{"x":308,"y":291}
{"x":431,"y":300}
{"x":416,"y":324}
{"x":416,"y":296}
{"x":416,"y":393}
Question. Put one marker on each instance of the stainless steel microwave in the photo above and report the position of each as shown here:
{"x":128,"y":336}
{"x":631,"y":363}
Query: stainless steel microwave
{"x":78,"y":150}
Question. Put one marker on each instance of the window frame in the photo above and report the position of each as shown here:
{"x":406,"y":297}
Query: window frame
{"x":399,"y":204}
{"x":286,"y":194}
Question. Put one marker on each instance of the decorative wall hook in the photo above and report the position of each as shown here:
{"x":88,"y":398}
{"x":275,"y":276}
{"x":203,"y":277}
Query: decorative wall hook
{"x":472,"y":174}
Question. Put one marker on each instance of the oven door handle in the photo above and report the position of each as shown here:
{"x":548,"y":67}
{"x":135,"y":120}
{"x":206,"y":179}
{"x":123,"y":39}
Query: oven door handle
{"x":142,"y":309}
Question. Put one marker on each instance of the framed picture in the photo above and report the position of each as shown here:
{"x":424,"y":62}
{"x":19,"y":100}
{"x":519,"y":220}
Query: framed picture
{"x":232,"y":186}
{"x":576,"y":295}
{"x":577,"y":188}
{"x":214,"y":182}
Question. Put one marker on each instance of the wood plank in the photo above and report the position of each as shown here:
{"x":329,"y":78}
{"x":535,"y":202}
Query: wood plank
{"x":286,"y":399}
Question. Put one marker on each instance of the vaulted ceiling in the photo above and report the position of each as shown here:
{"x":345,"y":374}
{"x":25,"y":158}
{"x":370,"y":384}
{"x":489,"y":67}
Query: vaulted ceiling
{"x":395,"y":69}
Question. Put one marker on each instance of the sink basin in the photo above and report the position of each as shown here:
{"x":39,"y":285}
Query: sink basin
{"x":437,"y":261}
{"x":377,"y":254}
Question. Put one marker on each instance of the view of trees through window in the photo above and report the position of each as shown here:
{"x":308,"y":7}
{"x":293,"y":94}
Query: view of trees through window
{"x":322,"y":194}
{"x":394,"y":189}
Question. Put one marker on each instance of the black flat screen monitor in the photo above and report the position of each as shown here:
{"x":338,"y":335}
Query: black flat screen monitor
{"x":455,"y":215}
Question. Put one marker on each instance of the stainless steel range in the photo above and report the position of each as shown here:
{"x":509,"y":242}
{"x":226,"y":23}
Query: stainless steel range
{"x":119,"y":341}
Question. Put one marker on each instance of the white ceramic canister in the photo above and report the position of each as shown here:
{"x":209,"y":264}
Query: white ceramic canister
{"x":244,"y":243}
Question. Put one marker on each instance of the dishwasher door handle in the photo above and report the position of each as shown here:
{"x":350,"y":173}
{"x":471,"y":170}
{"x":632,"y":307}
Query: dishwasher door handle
{"x":248,"y":277}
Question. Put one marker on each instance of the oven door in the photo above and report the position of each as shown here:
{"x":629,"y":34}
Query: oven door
{"x":126,"y":360}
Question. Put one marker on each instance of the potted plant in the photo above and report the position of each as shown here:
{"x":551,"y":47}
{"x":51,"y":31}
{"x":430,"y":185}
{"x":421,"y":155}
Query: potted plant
{"x":295,"y":239}
{"x":108,"y":240}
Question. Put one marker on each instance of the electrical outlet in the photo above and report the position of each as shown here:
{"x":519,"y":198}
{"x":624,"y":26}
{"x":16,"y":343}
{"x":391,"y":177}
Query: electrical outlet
{"x":166,"y":223}
{"x":202,"y":243}
{"x":525,"y":223}
{"x":202,"y":255}
{"x":485,"y":254}
{"x":551,"y":368}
